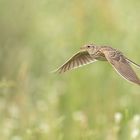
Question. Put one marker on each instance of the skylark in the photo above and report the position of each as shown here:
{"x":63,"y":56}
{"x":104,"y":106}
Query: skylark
{"x":92,"y":53}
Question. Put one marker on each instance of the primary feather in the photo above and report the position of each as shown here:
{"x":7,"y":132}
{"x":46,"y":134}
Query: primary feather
{"x":121,"y":65}
{"x":79,"y":59}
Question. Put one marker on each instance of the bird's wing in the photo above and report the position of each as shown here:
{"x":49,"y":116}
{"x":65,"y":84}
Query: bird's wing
{"x":79,"y":59}
{"x":120,"y":64}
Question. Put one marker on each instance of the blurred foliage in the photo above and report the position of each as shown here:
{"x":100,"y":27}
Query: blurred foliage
{"x":89,"y":103}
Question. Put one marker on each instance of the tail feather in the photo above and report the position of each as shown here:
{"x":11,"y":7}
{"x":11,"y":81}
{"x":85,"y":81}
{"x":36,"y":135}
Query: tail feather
{"x":135,"y":64}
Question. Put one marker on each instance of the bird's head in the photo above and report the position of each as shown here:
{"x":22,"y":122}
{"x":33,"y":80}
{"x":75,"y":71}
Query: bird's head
{"x":90,"y":48}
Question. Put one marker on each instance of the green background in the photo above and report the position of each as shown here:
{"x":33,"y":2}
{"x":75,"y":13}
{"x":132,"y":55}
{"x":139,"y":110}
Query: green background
{"x":90,"y":103}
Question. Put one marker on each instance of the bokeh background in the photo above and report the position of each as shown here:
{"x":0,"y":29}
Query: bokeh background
{"x":90,"y":103}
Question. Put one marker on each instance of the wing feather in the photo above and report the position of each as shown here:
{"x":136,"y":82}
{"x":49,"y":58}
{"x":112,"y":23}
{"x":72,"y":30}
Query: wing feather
{"x":121,"y":65}
{"x":79,"y":59}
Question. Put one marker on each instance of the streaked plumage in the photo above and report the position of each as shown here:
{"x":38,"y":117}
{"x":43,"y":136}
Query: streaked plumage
{"x":91,"y":53}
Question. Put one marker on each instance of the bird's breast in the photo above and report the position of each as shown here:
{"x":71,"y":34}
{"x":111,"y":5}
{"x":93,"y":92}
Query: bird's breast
{"x":99,"y":56}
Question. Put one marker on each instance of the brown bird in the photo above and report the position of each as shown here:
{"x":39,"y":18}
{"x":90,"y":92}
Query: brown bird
{"x":91,"y":53}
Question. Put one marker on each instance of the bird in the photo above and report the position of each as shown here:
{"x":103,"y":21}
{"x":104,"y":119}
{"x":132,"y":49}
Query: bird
{"x":90,"y":53}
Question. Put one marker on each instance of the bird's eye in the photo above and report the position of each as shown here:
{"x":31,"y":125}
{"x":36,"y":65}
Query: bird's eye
{"x":88,"y":46}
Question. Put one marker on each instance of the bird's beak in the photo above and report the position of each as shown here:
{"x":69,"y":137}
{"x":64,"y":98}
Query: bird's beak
{"x":82,"y":48}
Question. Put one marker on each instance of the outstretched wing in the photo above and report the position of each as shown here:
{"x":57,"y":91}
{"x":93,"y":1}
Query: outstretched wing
{"x":121,"y":65}
{"x":79,"y":59}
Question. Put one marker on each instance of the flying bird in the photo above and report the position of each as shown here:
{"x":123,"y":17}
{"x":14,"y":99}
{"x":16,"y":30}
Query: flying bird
{"x":92,"y":53}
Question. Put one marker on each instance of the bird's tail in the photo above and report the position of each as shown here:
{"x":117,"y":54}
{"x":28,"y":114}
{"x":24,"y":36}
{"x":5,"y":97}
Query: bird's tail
{"x":130,"y":61}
